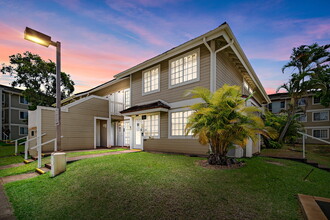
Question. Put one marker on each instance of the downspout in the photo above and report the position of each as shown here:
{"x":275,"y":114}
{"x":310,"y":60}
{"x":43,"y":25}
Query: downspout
{"x":213,"y":62}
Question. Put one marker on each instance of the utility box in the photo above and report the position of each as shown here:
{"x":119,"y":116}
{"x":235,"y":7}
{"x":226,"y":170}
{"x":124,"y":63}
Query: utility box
{"x":58,"y":163}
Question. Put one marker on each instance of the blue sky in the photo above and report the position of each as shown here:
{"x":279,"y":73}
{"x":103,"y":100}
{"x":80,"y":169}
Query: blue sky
{"x":102,"y":38}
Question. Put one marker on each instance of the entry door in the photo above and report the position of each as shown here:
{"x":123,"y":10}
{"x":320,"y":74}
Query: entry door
{"x":138,"y":142}
{"x":103,"y":133}
{"x":120,"y":135}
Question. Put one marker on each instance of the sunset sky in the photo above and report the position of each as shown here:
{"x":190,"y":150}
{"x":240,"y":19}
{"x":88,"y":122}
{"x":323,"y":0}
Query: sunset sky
{"x":102,"y":38}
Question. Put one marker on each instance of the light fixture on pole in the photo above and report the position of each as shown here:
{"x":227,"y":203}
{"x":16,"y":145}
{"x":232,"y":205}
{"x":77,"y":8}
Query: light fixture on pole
{"x":45,"y":40}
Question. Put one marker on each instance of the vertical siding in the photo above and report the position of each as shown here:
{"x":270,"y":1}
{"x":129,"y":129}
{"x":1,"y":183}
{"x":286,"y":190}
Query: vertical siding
{"x":173,"y":94}
{"x":163,"y":144}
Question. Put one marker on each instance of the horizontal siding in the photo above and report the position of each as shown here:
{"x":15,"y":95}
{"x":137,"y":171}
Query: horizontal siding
{"x":227,"y":73}
{"x":163,"y":144}
{"x":77,"y":125}
{"x":124,"y":84}
{"x":173,"y":94}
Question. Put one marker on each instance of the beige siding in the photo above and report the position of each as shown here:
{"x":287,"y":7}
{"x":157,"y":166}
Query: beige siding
{"x":227,"y":73}
{"x":77,"y":124}
{"x":124,"y":84}
{"x":173,"y":94}
{"x":187,"y":146}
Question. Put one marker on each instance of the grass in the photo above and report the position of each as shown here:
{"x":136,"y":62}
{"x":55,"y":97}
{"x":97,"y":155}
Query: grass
{"x":32,"y":166}
{"x":314,"y":152}
{"x":160,"y":186}
{"x":9,"y":149}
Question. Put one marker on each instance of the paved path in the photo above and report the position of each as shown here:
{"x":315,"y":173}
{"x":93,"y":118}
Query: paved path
{"x":11,"y":165}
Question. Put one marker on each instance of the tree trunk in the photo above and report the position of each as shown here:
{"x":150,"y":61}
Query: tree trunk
{"x":286,"y":127}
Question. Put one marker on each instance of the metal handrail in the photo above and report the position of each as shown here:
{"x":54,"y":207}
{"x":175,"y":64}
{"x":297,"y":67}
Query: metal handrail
{"x":307,"y":135}
{"x":27,"y":145}
{"x":16,"y":143}
{"x":39,"y":149}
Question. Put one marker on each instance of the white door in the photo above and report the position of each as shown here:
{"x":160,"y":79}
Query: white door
{"x":120,"y":135}
{"x":248,"y":148}
{"x":138,"y":139}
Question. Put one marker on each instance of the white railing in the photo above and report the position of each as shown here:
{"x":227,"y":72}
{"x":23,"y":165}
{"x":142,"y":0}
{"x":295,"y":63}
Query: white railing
{"x":5,"y":136}
{"x":307,"y":135}
{"x":39,"y":149}
{"x":16,"y":143}
{"x":27,"y":145}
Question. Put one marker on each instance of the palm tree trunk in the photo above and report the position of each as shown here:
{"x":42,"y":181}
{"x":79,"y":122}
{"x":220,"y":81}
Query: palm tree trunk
{"x":286,"y":127}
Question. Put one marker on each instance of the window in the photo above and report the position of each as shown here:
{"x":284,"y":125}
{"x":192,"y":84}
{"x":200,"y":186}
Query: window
{"x":321,"y":133}
{"x":282,"y":104}
{"x":178,"y":123}
{"x":270,"y":107}
{"x":3,"y":115}
{"x":316,"y":100}
{"x":321,"y":116}
{"x":23,"y":115}
{"x":151,"y":126}
{"x":127,"y":97}
{"x":23,"y":130}
{"x":151,"y":80}
{"x":302,"y":117}
{"x":184,"y":69}
{"x":302,"y":102}
{"x":127,"y":133}
{"x":22,"y":100}
{"x":32,"y":133}
{"x":3,"y":99}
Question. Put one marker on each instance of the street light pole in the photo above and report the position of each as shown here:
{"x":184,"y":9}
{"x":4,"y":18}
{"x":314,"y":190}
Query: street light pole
{"x":58,"y":95}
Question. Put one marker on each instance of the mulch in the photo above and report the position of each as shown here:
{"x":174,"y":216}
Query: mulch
{"x":205,"y":164}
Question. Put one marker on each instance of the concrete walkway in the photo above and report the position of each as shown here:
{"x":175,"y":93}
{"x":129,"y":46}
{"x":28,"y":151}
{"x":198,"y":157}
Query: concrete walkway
{"x":11,"y":165}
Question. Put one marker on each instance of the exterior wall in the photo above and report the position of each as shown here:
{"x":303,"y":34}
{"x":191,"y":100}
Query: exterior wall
{"x":164,"y":144}
{"x":227,"y":73}
{"x":124,"y":84}
{"x":77,"y":124}
{"x":174,"y":94}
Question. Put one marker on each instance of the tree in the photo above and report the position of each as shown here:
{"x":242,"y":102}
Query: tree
{"x":310,"y":66}
{"x":38,"y":77}
{"x":223,"y":119}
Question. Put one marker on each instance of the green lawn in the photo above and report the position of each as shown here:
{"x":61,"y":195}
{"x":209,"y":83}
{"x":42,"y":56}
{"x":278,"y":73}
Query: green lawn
{"x":314,"y":152}
{"x":9,"y":149}
{"x":32,"y":166}
{"x":160,"y":186}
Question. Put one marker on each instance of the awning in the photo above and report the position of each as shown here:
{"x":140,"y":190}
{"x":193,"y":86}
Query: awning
{"x":150,"y":107}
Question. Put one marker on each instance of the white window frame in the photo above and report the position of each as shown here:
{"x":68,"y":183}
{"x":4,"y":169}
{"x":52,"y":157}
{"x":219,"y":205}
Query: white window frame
{"x":170,"y":124}
{"x":143,"y":86}
{"x":19,"y":112}
{"x":152,"y":137}
{"x":327,"y":137}
{"x":129,"y":99}
{"x":316,"y":103}
{"x":22,"y":102}
{"x":320,"y":112}
{"x":19,"y":130}
{"x":197,"y":51}
{"x":305,"y":117}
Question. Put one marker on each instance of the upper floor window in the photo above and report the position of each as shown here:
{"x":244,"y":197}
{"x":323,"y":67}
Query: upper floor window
{"x":23,"y":115}
{"x":127,"y":98}
{"x":151,"y":80}
{"x":179,"y":121}
{"x":270,"y":107}
{"x":23,"y":130}
{"x":302,"y":117}
{"x":321,"y":116}
{"x":282,"y":104}
{"x":321,"y":133}
{"x":3,"y":99}
{"x":184,"y":69}
{"x":151,"y":126}
{"x":316,"y":100}
{"x":22,"y":100}
{"x":302,"y":102}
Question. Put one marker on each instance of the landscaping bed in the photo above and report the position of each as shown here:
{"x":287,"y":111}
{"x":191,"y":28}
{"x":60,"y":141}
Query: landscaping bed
{"x":160,"y":186}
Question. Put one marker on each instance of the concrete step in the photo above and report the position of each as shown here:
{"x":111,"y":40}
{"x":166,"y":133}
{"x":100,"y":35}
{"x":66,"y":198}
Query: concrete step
{"x":28,"y":161}
{"x":42,"y":170}
{"x":48,"y":165}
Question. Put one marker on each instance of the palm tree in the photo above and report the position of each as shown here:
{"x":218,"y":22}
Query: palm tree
{"x":223,"y":119}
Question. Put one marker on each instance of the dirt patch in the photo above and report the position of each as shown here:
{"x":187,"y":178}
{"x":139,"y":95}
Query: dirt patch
{"x":205,"y":164}
{"x":275,"y":163}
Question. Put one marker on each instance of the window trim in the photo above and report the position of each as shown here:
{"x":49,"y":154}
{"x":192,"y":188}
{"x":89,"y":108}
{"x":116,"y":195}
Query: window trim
{"x":313,"y":103}
{"x":305,"y":117}
{"x":19,"y":130}
{"x":152,"y":137}
{"x":197,"y":50}
{"x":19,"y":112}
{"x":315,"y":129}
{"x":170,"y":124}
{"x":319,"y":120}
{"x":22,"y":102}
{"x":305,"y":102}
{"x":129,"y":92}
{"x":146,"y":70}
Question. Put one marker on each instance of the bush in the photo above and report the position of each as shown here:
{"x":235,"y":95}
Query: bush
{"x":272,"y":144}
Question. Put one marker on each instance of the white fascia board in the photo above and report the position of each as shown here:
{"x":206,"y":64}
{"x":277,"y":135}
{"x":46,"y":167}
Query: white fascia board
{"x":146,"y":111}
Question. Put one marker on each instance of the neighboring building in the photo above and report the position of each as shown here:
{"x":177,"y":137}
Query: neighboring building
{"x":145,"y":108}
{"x":313,"y":115}
{"x":14,"y":113}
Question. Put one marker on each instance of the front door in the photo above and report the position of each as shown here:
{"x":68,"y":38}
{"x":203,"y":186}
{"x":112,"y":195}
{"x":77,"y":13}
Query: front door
{"x":120,"y":135}
{"x":103,"y":133}
{"x":138,"y":142}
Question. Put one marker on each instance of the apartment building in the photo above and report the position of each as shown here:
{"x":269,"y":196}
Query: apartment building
{"x":145,"y":108}
{"x":14,"y":113}
{"x":313,"y":115}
